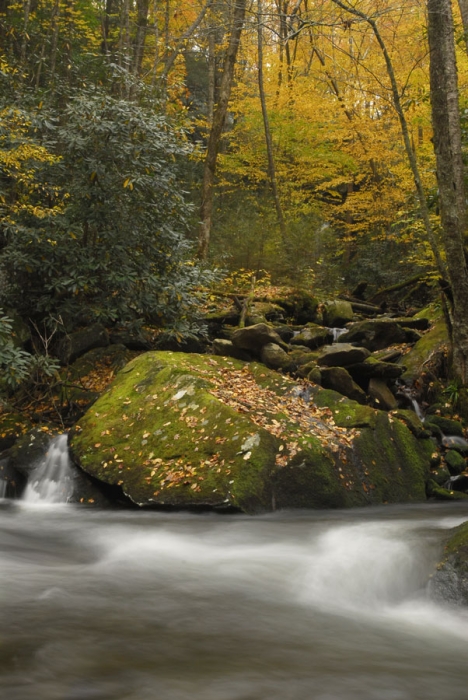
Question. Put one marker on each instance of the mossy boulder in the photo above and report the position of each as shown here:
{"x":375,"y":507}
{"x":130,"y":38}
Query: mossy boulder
{"x":340,"y":380}
{"x":455,"y":462}
{"x":430,"y":348}
{"x":375,"y":334}
{"x":300,"y":305}
{"x":313,"y":336}
{"x":200,"y":431}
{"x":337,"y":313}
{"x":450,"y":582}
{"x":446,"y":425}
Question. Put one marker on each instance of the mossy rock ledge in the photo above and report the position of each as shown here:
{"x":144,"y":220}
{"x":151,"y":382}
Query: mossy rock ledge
{"x":198,"y":431}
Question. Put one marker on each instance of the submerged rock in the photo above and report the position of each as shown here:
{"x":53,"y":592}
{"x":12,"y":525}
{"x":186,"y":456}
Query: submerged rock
{"x":200,"y":431}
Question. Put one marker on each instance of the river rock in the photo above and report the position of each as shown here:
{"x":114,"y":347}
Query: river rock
{"x":253,"y":338}
{"x":337,"y":313}
{"x":340,"y":380}
{"x":226,"y":348}
{"x":449,"y":584}
{"x":341,"y":355}
{"x":363,"y":371}
{"x":274,"y":357}
{"x":446,"y":425}
{"x":455,"y":462}
{"x":300,"y":306}
{"x":427,"y":354}
{"x":201,"y":431}
{"x":78,"y":343}
{"x":313,"y":337}
{"x":379,"y":391}
{"x":375,"y":334}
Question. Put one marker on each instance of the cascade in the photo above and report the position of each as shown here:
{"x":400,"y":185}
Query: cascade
{"x":51,"y":481}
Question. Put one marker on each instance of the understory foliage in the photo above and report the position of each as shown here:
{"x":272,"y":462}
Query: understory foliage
{"x":93,"y":213}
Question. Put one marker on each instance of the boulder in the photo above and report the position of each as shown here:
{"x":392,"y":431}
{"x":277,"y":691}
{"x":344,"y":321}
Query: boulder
{"x":133,"y":341}
{"x":449,"y":584}
{"x":313,"y":337}
{"x":455,"y":462}
{"x":197,"y":431}
{"x":452,"y":442}
{"x":363,"y":371}
{"x":253,"y":338}
{"x":337,"y":313}
{"x":78,"y":343}
{"x":375,"y":334}
{"x":341,"y":355}
{"x":427,"y":354}
{"x":338,"y":379}
{"x":411,"y":420}
{"x":300,"y":306}
{"x":274,"y":357}
{"x":446,"y":425}
{"x":417,"y":324}
{"x":225,"y":348}
{"x":268,"y":310}
{"x":12,"y":482}
{"x":379,"y":391}
{"x":182,"y":343}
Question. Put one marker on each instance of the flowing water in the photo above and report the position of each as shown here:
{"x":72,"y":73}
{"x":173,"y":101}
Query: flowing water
{"x":107,"y":605}
{"x":51,"y":481}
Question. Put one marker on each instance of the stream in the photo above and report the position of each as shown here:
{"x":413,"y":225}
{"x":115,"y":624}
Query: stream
{"x":108,"y":605}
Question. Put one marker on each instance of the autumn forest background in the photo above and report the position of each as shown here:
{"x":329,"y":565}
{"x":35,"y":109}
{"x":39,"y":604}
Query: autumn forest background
{"x":111,"y":207}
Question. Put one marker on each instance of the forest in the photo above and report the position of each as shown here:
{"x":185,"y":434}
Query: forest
{"x":149,"y":148}
{"x":233,"y":349}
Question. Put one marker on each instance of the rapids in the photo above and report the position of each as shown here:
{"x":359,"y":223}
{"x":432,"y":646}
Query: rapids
{"x":107,"y":605}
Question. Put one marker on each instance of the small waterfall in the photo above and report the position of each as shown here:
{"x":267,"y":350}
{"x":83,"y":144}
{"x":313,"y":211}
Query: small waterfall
{"x":51,"y":481}
{"x":337,"y":333}
{"x":408,"y":393}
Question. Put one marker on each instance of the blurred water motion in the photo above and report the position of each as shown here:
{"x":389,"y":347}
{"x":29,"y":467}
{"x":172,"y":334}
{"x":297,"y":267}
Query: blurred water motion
{"x":306,"y":606}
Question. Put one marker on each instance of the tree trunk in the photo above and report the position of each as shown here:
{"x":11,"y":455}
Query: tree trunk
{"x":463,"y":5}
{"x":140,"y":36}
{"x":266,"y":125}
{"x":447,"y":145}
{"x":219,"y":118}
{"x":423,"y":208}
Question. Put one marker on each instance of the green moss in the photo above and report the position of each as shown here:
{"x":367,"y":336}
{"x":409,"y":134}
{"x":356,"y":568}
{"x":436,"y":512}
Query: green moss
{"x":441,"y":494}
{"x":346,"y":413}
{"x":431,"y":342}
{"x":397,"y":463}
{"x":411,"y":420}
{"x":161,"y":434}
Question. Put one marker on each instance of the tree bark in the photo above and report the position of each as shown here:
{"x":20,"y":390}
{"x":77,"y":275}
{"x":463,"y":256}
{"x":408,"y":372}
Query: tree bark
{"x":219,"y":118}
{"x":266,"y":125}
{"x":463,"y":5}
{"x":448,"y":149}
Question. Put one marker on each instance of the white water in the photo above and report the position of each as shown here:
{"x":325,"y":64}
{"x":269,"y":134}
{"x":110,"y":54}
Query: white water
{"x":51,"y":481}
{"x":303,"y":606}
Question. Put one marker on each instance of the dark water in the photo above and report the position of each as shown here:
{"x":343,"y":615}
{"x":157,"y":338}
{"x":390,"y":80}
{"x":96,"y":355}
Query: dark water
{"x":305,"y":606}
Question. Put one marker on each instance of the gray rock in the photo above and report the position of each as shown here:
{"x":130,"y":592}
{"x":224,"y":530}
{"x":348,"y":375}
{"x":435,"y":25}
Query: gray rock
{"x":455,"y":462}
{"x":253,"y":338}
{"x":337,"y":313}
{"x":379,"y":391}
{"x":78,"y":343}
{"x":274,"y":357}
{"x":313,"y":337}
{"x":225,"y":348}
{"x":341,"y":355}
{"x":375,"y":334}
{"x":371,"y":367}
{"x":338,"y":379}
